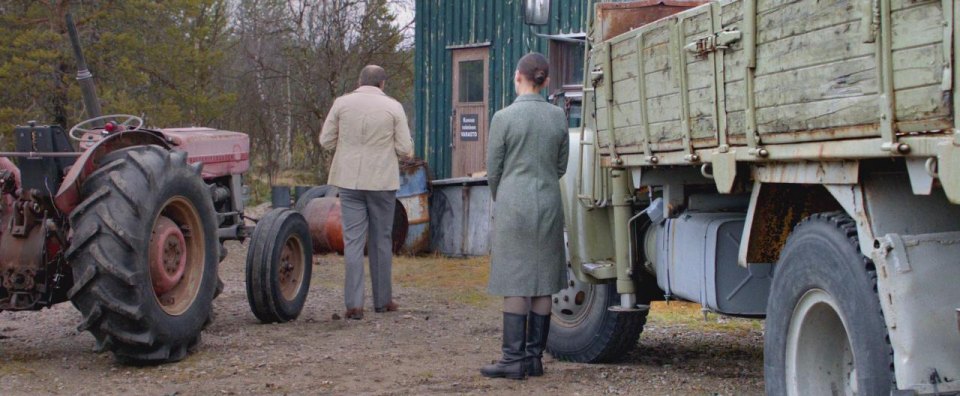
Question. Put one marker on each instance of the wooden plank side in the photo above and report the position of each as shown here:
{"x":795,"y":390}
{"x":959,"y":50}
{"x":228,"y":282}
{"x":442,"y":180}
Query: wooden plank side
{"x":625,"y":91}
{"x":804,"y":16}
{"x":735,"y":98}
{"x":736,"y":124}
{"x":813,"y":70}
{"x":845,"y":78}
{"x":918,"y":62}
{"x":813,"y":48}
{"x":661,"y":83}
{"x":918,"y":66}
{"x":768,"y":5}
{"x":701,"y":113}
{"x":830,"y":113}
{"x":731,"y":12}
{"x":734,"y":61}
{"x":923,"y":103}
{"x":624,"y":60}
{"x":662,"y":87}
{"x":699,"y":73}
{"x":657,"y":33}
{"x":919,"y":25}
{"x":664,"y":108}
{"x":827,"y":78}
{"x":626,"y":115}
{"x":697,"y":24}
{"x":917,"y":78}
{"x":656,"y":52}
{"x":667,"y":131}
{"x":734,"y":71}
{"x":656,"y":58}
{"x":628,"y":136}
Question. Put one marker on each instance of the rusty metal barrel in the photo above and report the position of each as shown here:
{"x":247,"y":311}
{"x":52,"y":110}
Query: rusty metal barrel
{"x":326,"y":230}
{"x":414,"y":194}
{"x":326,"y":225}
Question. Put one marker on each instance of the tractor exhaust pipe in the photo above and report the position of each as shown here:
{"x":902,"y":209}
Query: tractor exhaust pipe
{"x":84,"y":77}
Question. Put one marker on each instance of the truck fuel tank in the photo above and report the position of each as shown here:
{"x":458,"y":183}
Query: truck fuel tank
{"x":696,"y":260}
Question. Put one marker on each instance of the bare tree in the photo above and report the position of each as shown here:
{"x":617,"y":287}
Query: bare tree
{"x":297,"y":56}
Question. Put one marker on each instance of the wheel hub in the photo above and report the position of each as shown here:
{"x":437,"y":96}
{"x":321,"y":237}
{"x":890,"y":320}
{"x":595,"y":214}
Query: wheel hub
{"x":290,"y":269}
{"x":819,"y":356}
{"x":168,"y":258}
{"x":571,"y":303}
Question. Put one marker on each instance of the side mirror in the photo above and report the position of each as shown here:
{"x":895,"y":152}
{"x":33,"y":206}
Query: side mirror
{"x":536,"y":12}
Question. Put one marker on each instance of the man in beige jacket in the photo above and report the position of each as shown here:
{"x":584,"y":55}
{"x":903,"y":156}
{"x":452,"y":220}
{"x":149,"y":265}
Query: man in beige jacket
{"x":369,"y":131}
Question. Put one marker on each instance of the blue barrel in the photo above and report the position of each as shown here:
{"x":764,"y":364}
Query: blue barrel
{"x":298,"y":191}
{"x":280,"y":196}
{"x":414,"y":195}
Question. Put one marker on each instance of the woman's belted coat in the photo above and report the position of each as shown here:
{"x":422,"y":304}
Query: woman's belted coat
{"x":526,"y":156}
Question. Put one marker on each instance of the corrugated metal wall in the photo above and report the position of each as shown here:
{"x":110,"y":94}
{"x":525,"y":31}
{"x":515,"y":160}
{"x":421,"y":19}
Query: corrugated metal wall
{"x":441,"y":24}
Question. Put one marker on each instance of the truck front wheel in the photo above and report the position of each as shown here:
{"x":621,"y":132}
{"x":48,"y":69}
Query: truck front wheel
{"x":825,"y":332}
{"x":584,"y":330}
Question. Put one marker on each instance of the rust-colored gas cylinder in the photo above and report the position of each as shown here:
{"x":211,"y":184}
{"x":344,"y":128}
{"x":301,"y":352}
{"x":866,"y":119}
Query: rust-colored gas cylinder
{"x":326,"y":225}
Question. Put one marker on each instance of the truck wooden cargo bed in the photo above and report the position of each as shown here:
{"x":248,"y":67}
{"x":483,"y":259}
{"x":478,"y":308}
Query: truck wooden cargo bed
{"x":753,"y":80}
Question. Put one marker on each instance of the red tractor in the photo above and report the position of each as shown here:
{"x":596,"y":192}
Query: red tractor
{"x":129,"y":226}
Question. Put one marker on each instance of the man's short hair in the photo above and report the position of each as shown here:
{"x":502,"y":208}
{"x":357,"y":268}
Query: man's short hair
{"x":372,"y":75}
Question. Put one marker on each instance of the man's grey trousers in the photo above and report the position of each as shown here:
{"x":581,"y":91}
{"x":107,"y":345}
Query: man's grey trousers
{"x":367,"y":213}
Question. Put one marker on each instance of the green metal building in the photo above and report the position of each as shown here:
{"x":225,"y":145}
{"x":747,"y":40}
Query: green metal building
{"x":466,"y":54}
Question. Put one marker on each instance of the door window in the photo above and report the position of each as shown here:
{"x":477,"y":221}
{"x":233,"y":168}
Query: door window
{"x":471,"y":81}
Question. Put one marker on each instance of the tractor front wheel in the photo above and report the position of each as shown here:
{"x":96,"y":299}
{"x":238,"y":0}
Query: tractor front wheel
{"x":144,"y":254}
{"x":278,"y":266}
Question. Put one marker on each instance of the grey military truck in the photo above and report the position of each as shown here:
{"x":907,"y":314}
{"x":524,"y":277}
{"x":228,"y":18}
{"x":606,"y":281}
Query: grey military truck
{"x":791,"y":160}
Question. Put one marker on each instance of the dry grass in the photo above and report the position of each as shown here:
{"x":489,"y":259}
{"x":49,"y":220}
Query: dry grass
{"x":464,"y":280}
{"x":690,"y":316}
{"x":461,"y":280}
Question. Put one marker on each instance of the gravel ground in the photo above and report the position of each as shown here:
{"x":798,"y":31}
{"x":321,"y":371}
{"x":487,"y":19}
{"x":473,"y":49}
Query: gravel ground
{"x":433,"y":345}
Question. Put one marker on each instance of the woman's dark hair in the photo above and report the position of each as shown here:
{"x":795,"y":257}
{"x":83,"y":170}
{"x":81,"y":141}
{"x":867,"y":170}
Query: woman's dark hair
{"x":534,"y":67}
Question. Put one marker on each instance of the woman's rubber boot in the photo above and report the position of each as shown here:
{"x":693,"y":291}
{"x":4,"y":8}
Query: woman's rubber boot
{"x":539,"y":327}
{"x":513,"y":363}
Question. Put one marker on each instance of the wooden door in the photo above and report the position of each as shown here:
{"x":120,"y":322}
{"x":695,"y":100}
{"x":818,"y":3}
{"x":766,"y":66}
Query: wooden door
{"x":469,"y":119}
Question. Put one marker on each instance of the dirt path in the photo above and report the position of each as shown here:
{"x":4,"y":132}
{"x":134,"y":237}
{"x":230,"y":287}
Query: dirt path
{"x":446,"y":329}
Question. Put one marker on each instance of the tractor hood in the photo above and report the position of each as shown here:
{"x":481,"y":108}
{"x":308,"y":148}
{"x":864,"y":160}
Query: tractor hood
{"x":222,"y":153}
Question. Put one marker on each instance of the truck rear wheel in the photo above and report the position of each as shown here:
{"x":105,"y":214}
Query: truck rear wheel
{"x":825,"y":332}
{"x":582,"y":329}
{"x":144,"y":254}
{"x":279,"y":266}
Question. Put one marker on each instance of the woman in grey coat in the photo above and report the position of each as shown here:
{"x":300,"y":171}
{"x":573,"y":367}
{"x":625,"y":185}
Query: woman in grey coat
{"x":526,"y":157}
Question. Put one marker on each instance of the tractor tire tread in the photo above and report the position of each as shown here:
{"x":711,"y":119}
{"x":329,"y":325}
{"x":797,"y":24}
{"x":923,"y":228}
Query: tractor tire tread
{"x":106,"y":291}
{"x":262,"y":291}
{"x":258,"y":296}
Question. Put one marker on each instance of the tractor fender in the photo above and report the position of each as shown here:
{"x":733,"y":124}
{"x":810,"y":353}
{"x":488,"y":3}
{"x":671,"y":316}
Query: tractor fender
{"x":68,"y":197}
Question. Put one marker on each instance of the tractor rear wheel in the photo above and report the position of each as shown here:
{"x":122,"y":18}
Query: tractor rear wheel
{"x":144,"y":254}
